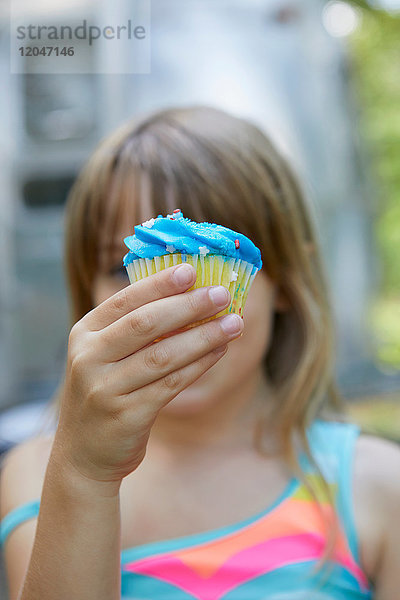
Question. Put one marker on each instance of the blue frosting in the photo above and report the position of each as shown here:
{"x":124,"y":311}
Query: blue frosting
{"x":164,"y":235}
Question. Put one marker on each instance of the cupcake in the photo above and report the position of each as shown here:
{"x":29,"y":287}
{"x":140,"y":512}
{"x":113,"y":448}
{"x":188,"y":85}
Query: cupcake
{"x":219,"y":255}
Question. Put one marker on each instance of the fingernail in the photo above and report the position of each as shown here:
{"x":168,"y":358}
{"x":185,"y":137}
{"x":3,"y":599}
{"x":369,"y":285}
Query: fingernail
{"x":219,"y":295}
{"x":183,"y":274}
{"x":231,"y":323}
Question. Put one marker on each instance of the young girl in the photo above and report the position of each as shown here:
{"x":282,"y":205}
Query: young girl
{"x":214,"y":464}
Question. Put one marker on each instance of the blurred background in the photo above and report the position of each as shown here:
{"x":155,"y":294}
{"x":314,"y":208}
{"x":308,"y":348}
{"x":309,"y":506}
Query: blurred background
{"x":323,"y":78}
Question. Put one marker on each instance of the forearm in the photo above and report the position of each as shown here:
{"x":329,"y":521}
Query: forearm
{"x":76,"y":554}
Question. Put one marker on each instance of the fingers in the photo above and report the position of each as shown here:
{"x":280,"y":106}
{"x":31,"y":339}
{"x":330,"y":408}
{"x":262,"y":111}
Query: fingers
{"x":149,"y":322}
{"x":167,"y":282}
{"x":167,"y":356}
{"x":157,"y":394}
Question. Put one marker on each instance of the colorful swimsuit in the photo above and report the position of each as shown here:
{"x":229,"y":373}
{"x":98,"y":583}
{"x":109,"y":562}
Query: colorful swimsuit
{"x":270,"y":556}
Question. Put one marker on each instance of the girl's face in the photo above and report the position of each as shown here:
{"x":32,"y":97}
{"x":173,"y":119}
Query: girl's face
{"x":238,"y":366}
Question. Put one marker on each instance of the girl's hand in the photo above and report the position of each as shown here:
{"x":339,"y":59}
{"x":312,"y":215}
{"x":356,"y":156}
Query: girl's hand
{"x":117,"y":380}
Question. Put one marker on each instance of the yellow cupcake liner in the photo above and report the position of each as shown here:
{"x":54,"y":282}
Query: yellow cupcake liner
{"x":235,"y":274}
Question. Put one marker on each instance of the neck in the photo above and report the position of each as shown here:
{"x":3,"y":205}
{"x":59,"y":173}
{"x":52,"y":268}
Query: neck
{"x":226,"y":423}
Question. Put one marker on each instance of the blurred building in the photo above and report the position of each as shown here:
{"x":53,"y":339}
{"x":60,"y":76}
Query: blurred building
{"x":272,"y":61}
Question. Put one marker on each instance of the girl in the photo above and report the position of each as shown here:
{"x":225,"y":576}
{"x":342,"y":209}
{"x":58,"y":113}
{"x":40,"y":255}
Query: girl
{"x":214,"y":464}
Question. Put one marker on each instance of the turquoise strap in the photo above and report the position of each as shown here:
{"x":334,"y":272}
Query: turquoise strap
{"x":16,"y":517}
{"x":334,"y":444}
{"x":345,"y":498}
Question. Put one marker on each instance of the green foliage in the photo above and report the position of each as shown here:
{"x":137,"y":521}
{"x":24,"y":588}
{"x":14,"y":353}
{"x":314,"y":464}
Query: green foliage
{"x":385,"y":320}
{"x":375,"y":59}
{"x":375,"y":53}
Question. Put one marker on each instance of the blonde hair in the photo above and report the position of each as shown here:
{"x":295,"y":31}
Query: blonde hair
{"x":222,"y":169}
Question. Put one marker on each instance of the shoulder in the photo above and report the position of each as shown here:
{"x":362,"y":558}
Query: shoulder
{"x":377,"y":469}
{"x":373,"y":451}
{"x":22,"y":472}
{"x":376,"y":493}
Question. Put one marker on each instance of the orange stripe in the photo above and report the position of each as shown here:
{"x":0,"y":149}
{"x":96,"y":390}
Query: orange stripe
{"x":291,"y":518}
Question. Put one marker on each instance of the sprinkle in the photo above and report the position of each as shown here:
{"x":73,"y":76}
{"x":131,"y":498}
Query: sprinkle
{"x":170,"y":248}
{"x":148,"y":223}
{"x":176,"y":210}
{"x":234,"y":276}
{"x":237,"y":244}
{"x":203,"y":250}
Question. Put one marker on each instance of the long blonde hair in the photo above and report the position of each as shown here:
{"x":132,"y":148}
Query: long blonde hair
{"x":222,"y":169}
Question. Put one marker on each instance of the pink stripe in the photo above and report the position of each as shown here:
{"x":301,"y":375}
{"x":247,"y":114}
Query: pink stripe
{"x":243,"y":566}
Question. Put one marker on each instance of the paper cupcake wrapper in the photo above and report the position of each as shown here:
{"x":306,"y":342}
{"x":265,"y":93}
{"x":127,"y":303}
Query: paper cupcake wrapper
{"x":235,"y":274}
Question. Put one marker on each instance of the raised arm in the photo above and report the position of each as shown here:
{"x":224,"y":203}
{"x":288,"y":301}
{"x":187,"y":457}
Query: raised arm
{"x":116,"y":383}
